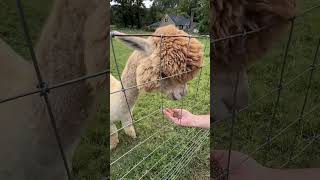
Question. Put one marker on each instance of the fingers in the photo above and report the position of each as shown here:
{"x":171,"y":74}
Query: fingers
{"x":173,"y":110}
{"x":169,"y":114}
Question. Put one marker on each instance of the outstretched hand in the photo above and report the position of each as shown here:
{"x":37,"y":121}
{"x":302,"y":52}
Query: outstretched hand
{"x":180,"y":117}
{"x":183,"y":117}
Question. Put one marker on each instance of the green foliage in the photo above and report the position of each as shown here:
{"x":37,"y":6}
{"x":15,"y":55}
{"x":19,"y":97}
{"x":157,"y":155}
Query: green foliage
{"x":203,"y":16}
{"x":127,"y":12}
{"x":136,"y":15}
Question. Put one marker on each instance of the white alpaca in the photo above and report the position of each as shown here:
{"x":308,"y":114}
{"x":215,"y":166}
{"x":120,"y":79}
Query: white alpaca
{"x":119,"y":110}
{"x":142,"y":72}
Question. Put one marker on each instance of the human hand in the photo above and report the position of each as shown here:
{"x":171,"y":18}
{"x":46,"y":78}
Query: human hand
{"x":239,"y":169}
{"x":185,"y":118}
{"x":180,"y":117}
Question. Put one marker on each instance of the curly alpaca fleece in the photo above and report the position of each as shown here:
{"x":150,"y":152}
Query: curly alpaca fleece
{"x":232,"y":17}
{"x":233,"y":56}
{"x":177,"y":56}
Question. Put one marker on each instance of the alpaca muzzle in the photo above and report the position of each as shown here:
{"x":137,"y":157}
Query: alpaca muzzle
{"x":178,"y":95}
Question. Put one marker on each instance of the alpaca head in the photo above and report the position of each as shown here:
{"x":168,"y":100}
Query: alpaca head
{"x":174,"y":60}
{"x":235,"y":55}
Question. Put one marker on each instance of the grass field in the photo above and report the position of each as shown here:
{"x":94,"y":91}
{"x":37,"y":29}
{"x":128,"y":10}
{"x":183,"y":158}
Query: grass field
{"x":252,"y":126}
{"x":166,"y":137}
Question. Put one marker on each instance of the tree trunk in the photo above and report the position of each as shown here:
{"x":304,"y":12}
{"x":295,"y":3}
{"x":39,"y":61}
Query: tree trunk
{"x":139,"y":18}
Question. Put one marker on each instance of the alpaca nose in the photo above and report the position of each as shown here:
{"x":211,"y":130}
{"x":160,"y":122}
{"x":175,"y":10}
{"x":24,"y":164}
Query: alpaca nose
{"x":176,"y":96}
{"x":184,"y":92}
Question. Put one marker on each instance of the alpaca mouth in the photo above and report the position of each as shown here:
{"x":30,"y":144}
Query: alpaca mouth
{"x":175,"y":96}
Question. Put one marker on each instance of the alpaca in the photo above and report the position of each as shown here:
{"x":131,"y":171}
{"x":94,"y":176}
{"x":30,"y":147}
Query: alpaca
{"x":178,"y":55}
{"x":119,"y":111}
{"x":73,"y":43}
{"x":233,"y":56}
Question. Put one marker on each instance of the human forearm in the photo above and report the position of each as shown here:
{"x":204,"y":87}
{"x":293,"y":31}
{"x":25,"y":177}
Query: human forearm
{"x":201,"y":121}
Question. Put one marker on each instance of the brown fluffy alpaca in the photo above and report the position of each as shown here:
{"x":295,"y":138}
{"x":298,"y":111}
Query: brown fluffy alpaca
{"x":235,"y":55}
{"x":178,"y":56}
{"x":73,"y":43}
{"x":143,"y":70}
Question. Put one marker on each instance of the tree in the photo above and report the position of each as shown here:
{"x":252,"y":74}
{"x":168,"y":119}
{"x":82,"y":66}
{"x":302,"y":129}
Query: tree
{"x":127,"y":12}
{"x":134,"y":13}
{"x":203,"y":16}
{"x":186,"y":7}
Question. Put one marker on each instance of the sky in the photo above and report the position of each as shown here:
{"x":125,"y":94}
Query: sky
{"x":147,"y":3}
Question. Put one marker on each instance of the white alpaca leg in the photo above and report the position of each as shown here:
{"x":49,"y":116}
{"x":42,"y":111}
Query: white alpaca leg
{"x":128,"y":126}
{"x":114,"y":140}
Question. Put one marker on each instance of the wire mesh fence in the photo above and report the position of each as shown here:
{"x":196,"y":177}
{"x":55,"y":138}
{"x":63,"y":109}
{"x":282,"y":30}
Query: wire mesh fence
{"x":280,"y":124}
{"x":43,"y":88}
{"x":161,"y":150}
{"x":175,"y":152}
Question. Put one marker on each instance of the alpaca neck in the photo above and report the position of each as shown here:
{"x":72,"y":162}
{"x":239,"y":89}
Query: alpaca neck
{"x":60,"y":52}
{"x":129,"y":78}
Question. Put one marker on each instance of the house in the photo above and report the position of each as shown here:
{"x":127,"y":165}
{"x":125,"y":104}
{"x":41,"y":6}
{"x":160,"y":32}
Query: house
{"x":180,"y":22}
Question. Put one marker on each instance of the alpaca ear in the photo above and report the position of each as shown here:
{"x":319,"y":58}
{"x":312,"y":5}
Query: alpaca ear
{"x":136,"y":43}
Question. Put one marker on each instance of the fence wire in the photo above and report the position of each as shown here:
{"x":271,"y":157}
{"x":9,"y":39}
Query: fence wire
{"x":187,"y":146}
{"x":43,"y":88}
{"x":272,"y":134}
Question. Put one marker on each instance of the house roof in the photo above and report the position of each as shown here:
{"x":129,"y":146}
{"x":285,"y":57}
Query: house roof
{"x":179,"y":20}
{"x":156,"y":24}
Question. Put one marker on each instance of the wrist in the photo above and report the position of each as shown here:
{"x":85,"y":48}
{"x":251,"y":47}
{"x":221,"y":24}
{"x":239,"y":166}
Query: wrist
{"x":201,"y":121}
{"x":194,"y":120}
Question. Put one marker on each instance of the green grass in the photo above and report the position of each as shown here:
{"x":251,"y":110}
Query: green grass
{"x":36,"y":12}
{"x":252,"y":125}
{"x":150,"y":102}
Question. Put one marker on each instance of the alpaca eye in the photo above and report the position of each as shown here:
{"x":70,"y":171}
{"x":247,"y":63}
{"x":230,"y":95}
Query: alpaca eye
{"x":163,"y":75}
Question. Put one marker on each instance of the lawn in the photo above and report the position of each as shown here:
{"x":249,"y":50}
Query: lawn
{"x":297,"y":146}
{"x":161,"y":148}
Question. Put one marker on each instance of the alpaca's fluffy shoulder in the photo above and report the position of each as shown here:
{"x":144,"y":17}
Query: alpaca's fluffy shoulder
{"x":233,"y":17}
